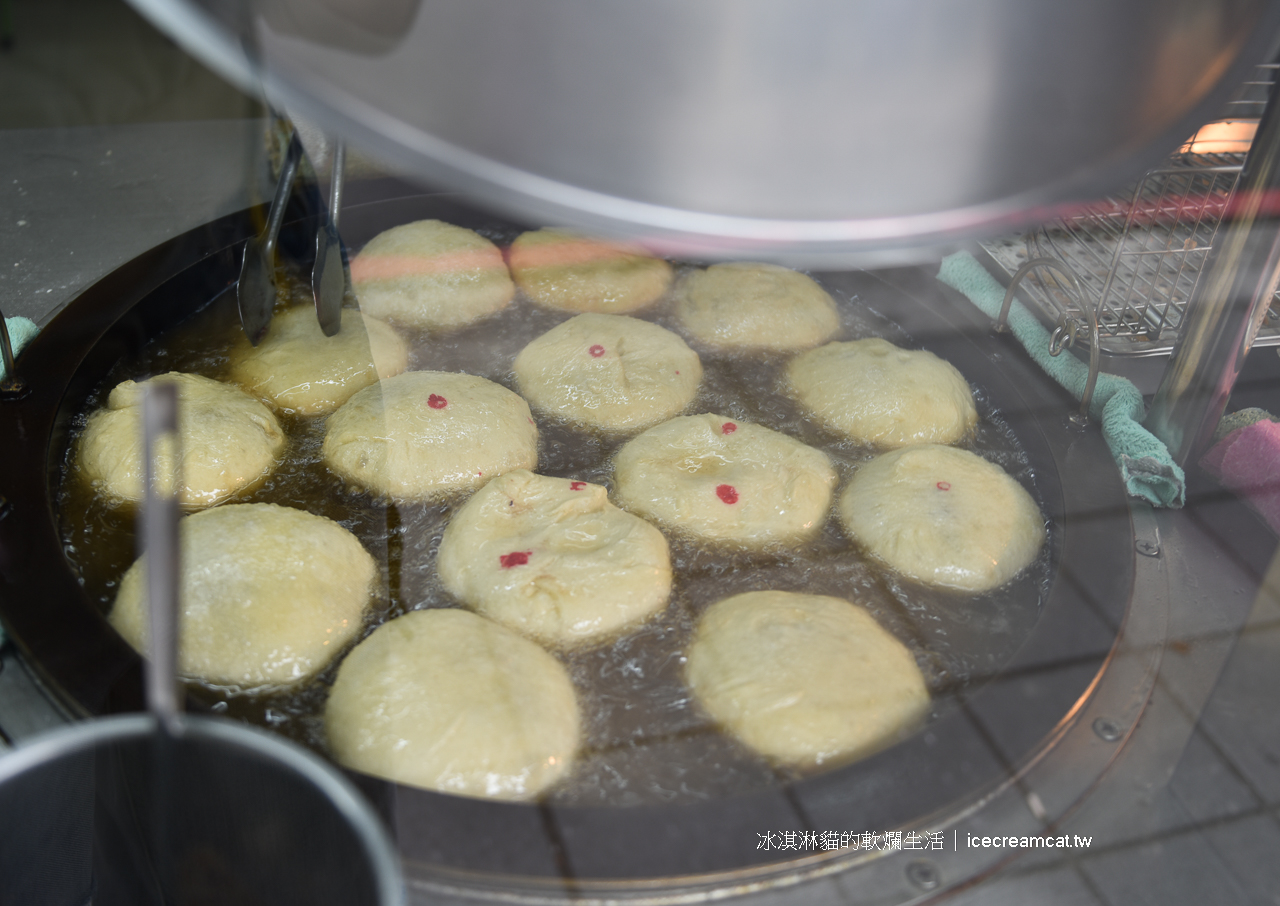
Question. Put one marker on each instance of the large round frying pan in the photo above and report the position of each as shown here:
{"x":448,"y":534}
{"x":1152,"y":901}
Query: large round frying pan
{"x":940,"y":771}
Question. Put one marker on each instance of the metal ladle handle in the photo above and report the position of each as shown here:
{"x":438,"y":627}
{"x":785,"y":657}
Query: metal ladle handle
{"x":160,"y":514}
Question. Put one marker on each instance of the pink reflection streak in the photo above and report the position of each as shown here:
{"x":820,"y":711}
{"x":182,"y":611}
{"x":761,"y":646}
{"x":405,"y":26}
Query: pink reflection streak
{"x":558,"y":254}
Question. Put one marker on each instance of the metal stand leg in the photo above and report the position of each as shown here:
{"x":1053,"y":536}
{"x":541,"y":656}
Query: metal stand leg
{"x":1228,"y":305}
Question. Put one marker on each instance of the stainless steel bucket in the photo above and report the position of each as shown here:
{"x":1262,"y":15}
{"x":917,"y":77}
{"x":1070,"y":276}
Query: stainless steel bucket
{"x":119,"y":811}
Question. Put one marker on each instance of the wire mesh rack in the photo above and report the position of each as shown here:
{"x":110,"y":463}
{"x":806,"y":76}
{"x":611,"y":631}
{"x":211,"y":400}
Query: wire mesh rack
{"x":1139,"y":252}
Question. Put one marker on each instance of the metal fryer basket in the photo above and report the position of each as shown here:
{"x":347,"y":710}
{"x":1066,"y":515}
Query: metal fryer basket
{"x":1139,"y":252}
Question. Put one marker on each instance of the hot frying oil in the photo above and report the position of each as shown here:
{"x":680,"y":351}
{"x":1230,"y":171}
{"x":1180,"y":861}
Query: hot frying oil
{"x":645,"y":739}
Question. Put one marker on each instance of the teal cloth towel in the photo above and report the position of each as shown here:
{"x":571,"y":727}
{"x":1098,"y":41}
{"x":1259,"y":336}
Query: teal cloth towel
{"x":1148,"y":470}
{"x":21,"y":330}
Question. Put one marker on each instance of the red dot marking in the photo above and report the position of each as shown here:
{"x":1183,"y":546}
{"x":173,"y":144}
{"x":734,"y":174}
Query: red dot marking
{"x":436,"y":401}
{"x":577,"y":485}
{"x":728,"y":427}
{"x":515,"y":558}
{"x":596,"y":351}
{"x":727,"y":493}
{"x":944,"y":486}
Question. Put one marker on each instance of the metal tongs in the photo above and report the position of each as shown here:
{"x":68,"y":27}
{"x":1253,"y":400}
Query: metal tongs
{"x":256,"y":289}
{"x":329,"y":278}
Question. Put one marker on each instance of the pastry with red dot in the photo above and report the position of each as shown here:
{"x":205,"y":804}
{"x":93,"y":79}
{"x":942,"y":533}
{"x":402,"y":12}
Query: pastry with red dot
{"x":875,"y":393}
{"x":725,"y":481}
{"x":748,"y":306}
{"x":553,"y":559}
{"x":943,"y":516}
{"x":431,"y":275}
{"x":569,"y":272}
{"x":609,"y":372}
{"x":424,"y":435}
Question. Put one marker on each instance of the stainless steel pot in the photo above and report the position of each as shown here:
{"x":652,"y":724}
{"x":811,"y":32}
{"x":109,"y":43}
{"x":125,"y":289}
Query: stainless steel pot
{"x":823,"y":132}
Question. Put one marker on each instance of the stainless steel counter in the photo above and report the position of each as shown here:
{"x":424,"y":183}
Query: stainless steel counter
{"x":76,"y":203}
{"x":1189,"y":811}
